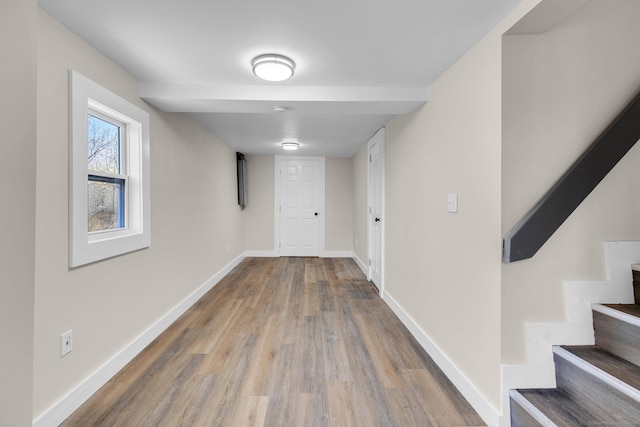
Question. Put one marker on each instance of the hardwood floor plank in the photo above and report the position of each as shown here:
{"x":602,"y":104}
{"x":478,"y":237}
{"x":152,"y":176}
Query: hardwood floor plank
{"x":342,"y":410}
{"x":336,"y":359}
{"x":310,"y":272}
{"x":251,"y":411}
{"x":282,"y":342}
{"x":369,"y":388}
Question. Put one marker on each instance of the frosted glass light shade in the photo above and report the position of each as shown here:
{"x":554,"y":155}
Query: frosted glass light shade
{"x":273,"y":67}
{"x":290,"y":146}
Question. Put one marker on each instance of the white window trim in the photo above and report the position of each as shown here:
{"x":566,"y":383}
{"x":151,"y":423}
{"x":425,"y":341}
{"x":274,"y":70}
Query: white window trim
{"x":85,"y":247}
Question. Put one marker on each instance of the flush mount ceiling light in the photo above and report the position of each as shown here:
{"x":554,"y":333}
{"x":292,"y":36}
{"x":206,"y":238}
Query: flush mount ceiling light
{"x":273,"y":67}
{"x":290,"y":146}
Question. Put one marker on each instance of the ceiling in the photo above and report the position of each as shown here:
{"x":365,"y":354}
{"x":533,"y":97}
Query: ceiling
{"x":358,"y":62}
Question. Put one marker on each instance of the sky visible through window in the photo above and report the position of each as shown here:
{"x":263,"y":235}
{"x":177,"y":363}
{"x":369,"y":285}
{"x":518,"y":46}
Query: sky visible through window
{"x":105,"y":194}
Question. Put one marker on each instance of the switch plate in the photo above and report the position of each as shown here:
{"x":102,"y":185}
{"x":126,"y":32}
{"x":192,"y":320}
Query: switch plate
{"x":452,"y":203}
{"x":66,"y":343}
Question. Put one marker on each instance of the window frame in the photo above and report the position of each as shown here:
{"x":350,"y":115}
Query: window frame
{"x":108,"y":177}
{"x":85,"y":98}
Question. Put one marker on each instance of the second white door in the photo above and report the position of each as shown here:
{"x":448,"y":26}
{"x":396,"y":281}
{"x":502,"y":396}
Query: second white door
{"x":376,"y":207}
{"x":300,"y":207}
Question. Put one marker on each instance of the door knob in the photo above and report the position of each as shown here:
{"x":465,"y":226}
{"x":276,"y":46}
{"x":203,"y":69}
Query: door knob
{"x":316,"y":214}
{"x":377,"y":219}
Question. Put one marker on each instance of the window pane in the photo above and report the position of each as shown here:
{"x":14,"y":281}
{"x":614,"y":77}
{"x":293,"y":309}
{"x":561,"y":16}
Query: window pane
{"x":106,"y":203}
{"x":104,"y":145}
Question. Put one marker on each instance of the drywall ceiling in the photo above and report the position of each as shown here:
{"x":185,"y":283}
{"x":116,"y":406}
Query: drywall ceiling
{"x":358,"y":63}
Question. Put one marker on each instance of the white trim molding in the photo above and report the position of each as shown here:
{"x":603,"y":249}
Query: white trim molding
{"x":88,"y":98}
{"x":57,"y":413}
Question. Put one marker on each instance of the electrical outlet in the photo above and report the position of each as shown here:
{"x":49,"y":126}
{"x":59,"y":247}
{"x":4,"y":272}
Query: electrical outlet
{"x":66,"y":343}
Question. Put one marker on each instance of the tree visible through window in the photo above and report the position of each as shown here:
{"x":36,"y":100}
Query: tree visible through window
{"x":107,"y":183}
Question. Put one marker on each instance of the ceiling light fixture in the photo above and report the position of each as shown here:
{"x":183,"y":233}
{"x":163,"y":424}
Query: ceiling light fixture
{"x":290,"y":146}
{"x":273,"y":67}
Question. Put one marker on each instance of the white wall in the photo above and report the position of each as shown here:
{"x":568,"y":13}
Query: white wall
{"x":338,"y":204}
{"x":18,"y":21}
{"x":194,"y":217}
{"x":444,"y":269}
{"x":259,"y":213}
{"x":560,"y":91}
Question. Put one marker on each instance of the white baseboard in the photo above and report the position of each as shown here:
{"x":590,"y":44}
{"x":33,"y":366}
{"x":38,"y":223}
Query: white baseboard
{"x":56,"y":414}
{"x":488,"y":413}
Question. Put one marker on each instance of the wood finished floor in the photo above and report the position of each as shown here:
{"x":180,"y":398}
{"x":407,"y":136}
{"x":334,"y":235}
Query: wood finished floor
{"x":282,"y":342}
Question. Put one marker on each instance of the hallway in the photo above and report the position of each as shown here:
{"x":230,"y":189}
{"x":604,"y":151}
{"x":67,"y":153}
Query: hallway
{"x":282,"y":342}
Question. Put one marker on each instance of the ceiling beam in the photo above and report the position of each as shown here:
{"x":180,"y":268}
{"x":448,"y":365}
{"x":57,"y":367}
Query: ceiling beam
{"x":299,"y":99}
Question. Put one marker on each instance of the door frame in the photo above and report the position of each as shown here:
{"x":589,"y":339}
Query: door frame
{"x":277,"y":201}
{"x":380,"y":138}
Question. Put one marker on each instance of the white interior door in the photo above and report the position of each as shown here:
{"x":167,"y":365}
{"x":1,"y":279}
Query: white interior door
{"x":376,"y":147}
{"x":300,"y":206}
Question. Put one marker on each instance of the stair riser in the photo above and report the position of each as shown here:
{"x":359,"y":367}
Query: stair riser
{"x":521,"y":418}
{"x":617,"y":337}
{"x":591,"y":391}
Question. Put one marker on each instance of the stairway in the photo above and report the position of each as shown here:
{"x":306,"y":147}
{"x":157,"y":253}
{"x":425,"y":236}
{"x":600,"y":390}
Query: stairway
{"x":597,"y":385}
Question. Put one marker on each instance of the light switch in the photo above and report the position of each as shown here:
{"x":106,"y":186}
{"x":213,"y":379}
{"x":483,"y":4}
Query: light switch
{"x":452,"y":203}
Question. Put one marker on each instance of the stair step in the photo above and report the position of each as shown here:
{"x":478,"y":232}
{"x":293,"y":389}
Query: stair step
{"x":599,"y":380}
{"x":551,"y":407}
{"x":617,"y":329}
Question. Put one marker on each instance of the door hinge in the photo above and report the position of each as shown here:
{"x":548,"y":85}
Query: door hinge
{"x":369,"y":261}
{"x":370,"y":158}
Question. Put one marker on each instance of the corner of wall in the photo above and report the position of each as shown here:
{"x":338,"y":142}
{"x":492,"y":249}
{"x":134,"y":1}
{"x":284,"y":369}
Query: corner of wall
{"x":361,"y":264}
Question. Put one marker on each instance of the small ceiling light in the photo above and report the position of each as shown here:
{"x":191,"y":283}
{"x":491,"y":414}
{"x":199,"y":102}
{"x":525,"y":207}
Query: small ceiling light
{"x":290,"y":146}
{"x":273,"y":67}
{"x":279,"y":109}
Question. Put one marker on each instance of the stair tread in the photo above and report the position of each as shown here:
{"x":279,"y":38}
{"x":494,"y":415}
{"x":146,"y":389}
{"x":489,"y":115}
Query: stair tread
{"x":631,"y":309}
{"x":561,"y":409}
{"x":609,"y":363}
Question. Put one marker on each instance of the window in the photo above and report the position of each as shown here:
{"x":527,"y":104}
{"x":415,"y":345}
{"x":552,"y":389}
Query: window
{"x":108,"y":174}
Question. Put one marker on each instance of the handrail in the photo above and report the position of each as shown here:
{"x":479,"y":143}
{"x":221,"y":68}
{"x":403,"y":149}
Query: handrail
{"x":546,"y":216}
